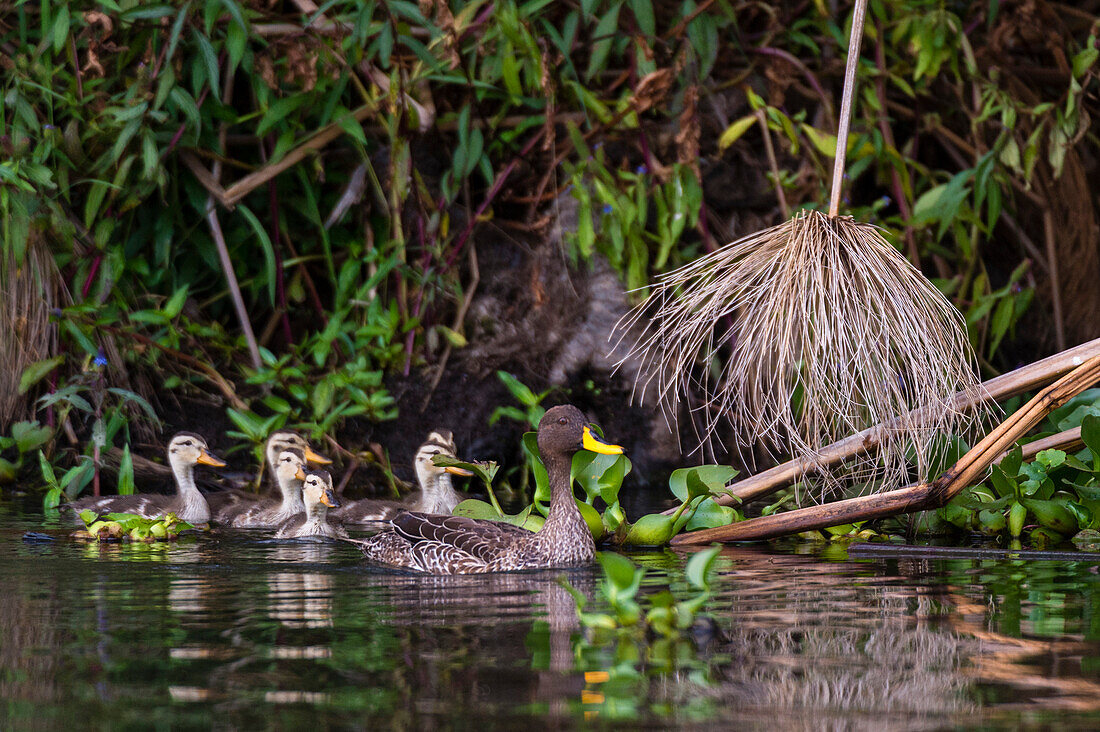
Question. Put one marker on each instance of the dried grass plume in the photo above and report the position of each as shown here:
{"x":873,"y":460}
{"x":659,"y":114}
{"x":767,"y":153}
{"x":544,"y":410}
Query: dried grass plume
{"x":803,"y":334}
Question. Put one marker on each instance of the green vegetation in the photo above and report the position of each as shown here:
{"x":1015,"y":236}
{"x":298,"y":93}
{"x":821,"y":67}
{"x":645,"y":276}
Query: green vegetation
{"x":130,"y":527}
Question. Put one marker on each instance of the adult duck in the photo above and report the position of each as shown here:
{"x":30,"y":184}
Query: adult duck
{"x":246,"y":510}
{"x":460,"y":545}
{"x":436,"y":495}
{"x":185,"y":451}
{"x":313,"y":522}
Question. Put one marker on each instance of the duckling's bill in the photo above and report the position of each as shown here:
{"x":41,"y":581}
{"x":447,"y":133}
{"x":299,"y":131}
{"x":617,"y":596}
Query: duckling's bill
{"x":458,"y":471}
{"x":299,"y":474}
{"x":328,"y":497}
{"x":315,"y":458}
{"x":208,"y":458}
{"x":591,"y":442}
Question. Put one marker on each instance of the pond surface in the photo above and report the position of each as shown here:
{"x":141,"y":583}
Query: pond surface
{"x":233,"y":631}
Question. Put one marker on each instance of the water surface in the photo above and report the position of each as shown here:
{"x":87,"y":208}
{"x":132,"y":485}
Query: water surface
{"x":234,"y":631}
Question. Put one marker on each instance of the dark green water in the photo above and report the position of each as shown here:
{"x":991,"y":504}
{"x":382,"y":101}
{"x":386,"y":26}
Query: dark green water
{"x":234,"y":632}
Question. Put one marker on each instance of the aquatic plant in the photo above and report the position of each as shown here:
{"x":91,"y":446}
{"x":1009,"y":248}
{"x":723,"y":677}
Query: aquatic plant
{"x":131,"y":527}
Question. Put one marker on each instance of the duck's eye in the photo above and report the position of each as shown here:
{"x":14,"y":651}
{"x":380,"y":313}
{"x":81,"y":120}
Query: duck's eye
{"x":563,"y":420}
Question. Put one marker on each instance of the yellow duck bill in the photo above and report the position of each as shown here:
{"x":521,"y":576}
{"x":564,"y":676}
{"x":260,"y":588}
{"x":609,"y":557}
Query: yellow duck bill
{"x":595,"y":444}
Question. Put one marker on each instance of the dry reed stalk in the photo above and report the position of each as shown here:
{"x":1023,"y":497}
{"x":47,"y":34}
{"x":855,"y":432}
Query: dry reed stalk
{"x":807,"y":332}
{"x":29,"y":289}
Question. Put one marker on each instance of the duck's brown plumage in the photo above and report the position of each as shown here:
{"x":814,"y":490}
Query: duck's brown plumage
{"x":185,"y":451}
{"x":459,"y":545}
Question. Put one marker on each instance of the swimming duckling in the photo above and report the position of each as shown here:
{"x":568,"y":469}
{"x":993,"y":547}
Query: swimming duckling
{"x":436,"y":494}
{"x":242,"y":509}
{"x":185,"y":451}
{"x":268,"y":513}
{"x":319,"y":498}
{"x":460,"y":545}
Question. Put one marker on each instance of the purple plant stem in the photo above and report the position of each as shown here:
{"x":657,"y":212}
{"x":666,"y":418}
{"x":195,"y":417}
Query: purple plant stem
{"x":91,"y":277}
{"x":780,"y":53}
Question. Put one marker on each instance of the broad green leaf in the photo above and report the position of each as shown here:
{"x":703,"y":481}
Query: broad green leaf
{"x":700,"y":565}
{"x":714,"y":477}
{"x":38,"y":371}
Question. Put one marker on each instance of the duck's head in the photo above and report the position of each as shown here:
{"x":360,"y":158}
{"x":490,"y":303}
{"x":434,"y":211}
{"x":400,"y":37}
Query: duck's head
{"x":563,"y":430}
{"x":186,"y":450}
{"x":439,"y":442}
{"x":283,"y":440}
{"x":290,"y":465}
{"x":317,"y":489}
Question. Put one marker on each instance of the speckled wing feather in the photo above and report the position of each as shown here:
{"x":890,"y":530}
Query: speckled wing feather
{"x":483,"y":540}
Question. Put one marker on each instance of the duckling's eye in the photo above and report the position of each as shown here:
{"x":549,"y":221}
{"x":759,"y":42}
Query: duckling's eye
{"x":563,"y":420}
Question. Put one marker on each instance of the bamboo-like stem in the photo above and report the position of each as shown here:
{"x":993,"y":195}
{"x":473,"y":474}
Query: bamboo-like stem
{"x":845,"y":118}
{"x":965,"y":472}
{"x":1001,"y":387}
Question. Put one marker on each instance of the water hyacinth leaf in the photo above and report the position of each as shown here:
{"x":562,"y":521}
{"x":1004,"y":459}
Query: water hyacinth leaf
{"x":700,"y":565}
{"x":709,"y":514}
{"x":1011,"y":462}
{"x":713,"y":477}
{"x":1002,"y":483}
{"x":592,"y":518}
{"x":1052,"y":514}
{"x":1090,"y":435}
{"x":622,"y":575}
{"x":653,"y":529}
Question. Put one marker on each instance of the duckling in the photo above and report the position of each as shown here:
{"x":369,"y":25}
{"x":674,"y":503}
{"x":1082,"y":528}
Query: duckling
{"x":319,"y":498}
{"x":229,"y":506}
{"x":185,"y":451}
{"x":268,"y":513}
{"x":436,"y":494}
{"x":460,"y":545}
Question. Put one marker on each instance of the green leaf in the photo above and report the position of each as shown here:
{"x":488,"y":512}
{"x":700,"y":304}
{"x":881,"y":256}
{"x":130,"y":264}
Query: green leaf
{"x":265,"y":247}
{"x":137,"y":399}
{"x":30,"y":436}
{"x":8,"y":471}
{"x":518,"y":389}
{"x":126,"y":473}
{"x":713,"y":477}
{"x":602,"y":37}
{"x":61,"y":28}
{"x":620,"y":572}
{"x":210,"y":62}
{"x":700,"y":565}
{"x":734,"y":132}
{"x":47,"y":471}
{"x":38,"y":371}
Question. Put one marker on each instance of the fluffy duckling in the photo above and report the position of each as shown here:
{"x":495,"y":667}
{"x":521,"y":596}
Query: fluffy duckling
{"x":460,"y":545}
{"x":319,"y":498}
{"x":246,"y":510}
{"x":268,"y":513}
{"x":436,"y":494}
{"x":185,"y":451}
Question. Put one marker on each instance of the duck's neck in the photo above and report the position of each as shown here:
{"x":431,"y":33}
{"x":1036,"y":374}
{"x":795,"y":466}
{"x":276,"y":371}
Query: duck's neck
{"x":193,"y":507}
{"x":439,"y":494}
{"x":292,"y":503}
{"x":564,"y":516}
{"x":316,"y":514}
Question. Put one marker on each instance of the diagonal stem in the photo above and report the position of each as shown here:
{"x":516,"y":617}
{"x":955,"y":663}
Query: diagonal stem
{"x":845,"y":118}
